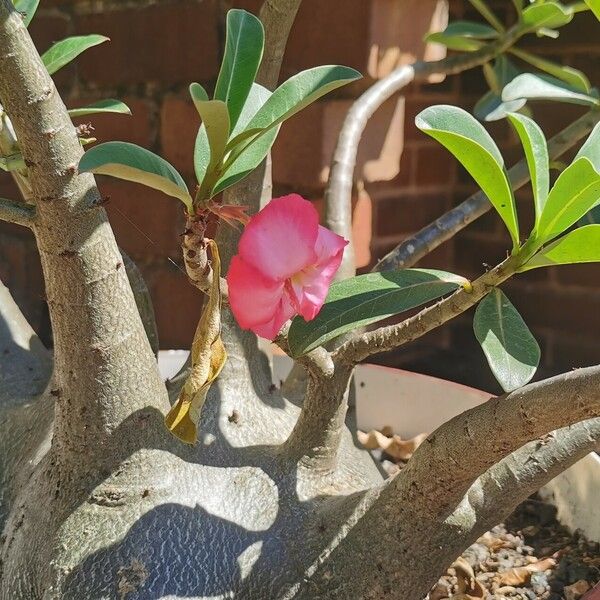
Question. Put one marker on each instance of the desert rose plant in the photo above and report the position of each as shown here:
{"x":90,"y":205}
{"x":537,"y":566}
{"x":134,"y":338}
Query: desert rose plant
{"x":223,"y":486}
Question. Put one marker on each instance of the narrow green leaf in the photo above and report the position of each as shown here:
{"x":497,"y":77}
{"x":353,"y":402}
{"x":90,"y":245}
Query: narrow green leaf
{"x":454,"y":42}
{"x":27,"y":8}
{"x":575,"y":78}
{"x":594,"y":7}
{"x":295,"y":94}
{"x":581,"y":245}
{"x":244,"y":45}
{"x":471,"y":29}
{"x":546,"y":14}
{"x":215,"y":123}
{"x":133,"y":163}
{"x":472,"y":145}
{"x":511,"y":350}
{"x":490,"y":107}
{"x":255,"y":152}
{"x":367,"y":299}
{"x":536,"y":152}
{"x":198,"y":93}
{"x":575,"y":192}
{"x":63,"y":52}
{"x":591,"y":148}
{"x":102,"y":106}
{"x":544,"y":87}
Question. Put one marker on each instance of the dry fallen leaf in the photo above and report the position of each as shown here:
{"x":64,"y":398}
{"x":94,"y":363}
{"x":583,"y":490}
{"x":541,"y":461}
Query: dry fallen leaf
{"x":577,"y":590}
{"x":208,"y":357}
{"x":521,"y":575}
{"x":468,"y":586}
{"x":492,"y":542}
{"x":393,"y":445}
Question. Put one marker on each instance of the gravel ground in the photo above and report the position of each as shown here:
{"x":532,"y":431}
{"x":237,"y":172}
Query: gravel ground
{"x":529,"y":557}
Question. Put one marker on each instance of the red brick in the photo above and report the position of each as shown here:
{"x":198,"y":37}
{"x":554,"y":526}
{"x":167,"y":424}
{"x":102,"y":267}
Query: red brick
{"x":303,"y":150}
{"x":179,"y":123}
{"x":404,"y":212}
{"x":440,"y":258}
{"x":572,"y":352}
{"x":435,"y":166}
{"x":584,"y":275}
{"x":136,"y":128}
{"x":170,"y":43}
{"x":145,"y":221}
{"x":473,"y":253}
{"x":177,"y":306}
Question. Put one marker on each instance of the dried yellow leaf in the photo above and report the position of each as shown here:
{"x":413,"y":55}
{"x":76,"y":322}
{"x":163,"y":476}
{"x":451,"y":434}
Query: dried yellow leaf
{"x":208,"y":357}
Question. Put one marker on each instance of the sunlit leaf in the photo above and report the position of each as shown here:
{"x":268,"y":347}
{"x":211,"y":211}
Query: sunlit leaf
{"x":63,"y":52}
{"x":454,"y":42}
{"x":243,"y":52}
{"x":472,"y":145}
{"x":133,"y":163}
{"x":511,"y":350}
{"x":581,"y":245}
{"x":546,"y":14}
{"x":367,"y":299}
{"x":102,"y":106}
{"x":544,"y":87}
{"x":536,"y":152}
{"x":594,"y":7}
{"x":575,"y":78}
{"x":575,"y":192}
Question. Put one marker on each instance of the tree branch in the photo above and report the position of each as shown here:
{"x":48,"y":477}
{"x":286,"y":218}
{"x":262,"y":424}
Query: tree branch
{"x":17,"y":212}
{"x":338,"y":195}
{"x":387,"y":338}
{"x":104,"y":367}
{"x":277,"y":17}
{"x":413,"y":249}
{"x":415,"y":524}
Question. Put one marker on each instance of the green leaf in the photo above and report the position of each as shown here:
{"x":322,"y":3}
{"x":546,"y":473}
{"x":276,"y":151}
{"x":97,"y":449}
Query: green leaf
{"x":511,"y":350}
{"x":491,"y":108}
{"x":575,"y":192}
{"x":243,"y":52}
{"x":63,"y":52}
{"x":546,"y":15}
{"x":454,"y":42}
{"x":472,"y":145}
{"x":133,"y":163}
{"x":544,"y":87}
{"x":581,"y":245}
{"x":253,"y":153}
{"x":102,"y":106}
{"x":198,"y":93}
{"x":594,"y":7}
{"x":27,"y":8}
{"x":367,"y":299}
{"x":591,"y":148}
{"x":536,"y":152}
{"x":215,"y":126}
{"x":471,"y":29}
{"x":575,"y":78}
{"x":295,"y":94}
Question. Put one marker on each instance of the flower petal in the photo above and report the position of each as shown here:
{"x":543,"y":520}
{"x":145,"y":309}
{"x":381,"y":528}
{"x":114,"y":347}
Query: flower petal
{"x":257,"y":302}
{"x":311,"y":286}
{"x":280,"y":239}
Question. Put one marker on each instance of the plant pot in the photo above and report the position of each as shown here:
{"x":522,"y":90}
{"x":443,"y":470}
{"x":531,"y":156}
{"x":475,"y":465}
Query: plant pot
{"x":411,"y":403}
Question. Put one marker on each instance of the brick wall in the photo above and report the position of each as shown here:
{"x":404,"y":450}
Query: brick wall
{"x":158,"y":47}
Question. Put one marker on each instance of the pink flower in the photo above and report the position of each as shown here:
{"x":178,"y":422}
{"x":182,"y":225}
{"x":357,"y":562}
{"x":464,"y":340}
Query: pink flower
{"x":285,"y":265}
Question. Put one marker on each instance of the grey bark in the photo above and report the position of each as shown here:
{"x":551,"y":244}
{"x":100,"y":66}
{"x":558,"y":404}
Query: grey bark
{"x":114,"y":507}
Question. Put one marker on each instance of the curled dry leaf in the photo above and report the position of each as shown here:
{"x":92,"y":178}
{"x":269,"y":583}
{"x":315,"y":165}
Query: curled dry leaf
{"x":391,"y":444}
{"x":468,"y":586}
{"x":521,"y":575}
{"x":208,"y":357}
{"x":493,"y":542}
